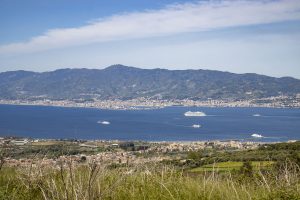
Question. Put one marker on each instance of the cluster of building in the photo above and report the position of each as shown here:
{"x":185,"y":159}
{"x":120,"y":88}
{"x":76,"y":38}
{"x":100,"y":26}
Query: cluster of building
{"x":200,"y":145}
{"x":134,"y":104}
{"x":272,"y":102}
{"x":146,"y":103}
{"x":105,"y":158}
{"x":14,"y":141}
{"x":118,"y":152}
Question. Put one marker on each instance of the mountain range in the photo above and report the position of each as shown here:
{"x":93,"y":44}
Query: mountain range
{"x":122,"y":82}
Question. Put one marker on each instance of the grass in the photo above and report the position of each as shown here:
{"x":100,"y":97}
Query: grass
{"x":229,"y":166}
{"x":95,"y":181}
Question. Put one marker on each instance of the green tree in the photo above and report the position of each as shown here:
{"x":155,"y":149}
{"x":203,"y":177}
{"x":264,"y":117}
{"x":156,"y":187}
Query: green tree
{"x":193,"y":155}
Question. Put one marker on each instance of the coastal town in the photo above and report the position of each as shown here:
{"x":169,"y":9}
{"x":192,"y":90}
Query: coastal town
{"x":110,"y":152}
{"x":149,"y":103}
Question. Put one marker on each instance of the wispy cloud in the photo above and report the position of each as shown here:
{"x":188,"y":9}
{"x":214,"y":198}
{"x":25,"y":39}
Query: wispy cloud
{"x":174,"y":19}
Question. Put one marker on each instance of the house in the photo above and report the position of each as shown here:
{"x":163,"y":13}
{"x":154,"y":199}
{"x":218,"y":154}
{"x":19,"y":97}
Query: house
{"x":19,"y":142}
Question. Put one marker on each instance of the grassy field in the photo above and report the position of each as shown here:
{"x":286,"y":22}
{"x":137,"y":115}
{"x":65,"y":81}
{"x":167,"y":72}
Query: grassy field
{"x":92,"y":181}
{"x":230,"y":179}
{"x":229,"y":166}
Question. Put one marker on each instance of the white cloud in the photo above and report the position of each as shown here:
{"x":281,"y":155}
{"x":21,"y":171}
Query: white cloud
{"x":173,"y":19}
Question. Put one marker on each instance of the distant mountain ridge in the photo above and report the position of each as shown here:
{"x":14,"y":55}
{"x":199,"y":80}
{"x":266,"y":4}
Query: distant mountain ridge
{"x":122,"y":82}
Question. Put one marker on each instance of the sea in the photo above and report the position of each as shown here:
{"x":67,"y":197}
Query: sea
{"x":166,"y":124}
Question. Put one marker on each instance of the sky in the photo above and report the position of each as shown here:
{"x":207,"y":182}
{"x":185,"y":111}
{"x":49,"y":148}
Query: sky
{"x":240,"y":36}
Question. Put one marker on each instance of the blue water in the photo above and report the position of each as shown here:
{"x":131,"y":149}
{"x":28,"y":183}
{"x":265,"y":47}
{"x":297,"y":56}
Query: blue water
{"x":168,"y":124}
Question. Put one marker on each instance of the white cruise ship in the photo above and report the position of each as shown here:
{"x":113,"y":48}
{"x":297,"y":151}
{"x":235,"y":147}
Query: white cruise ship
{"x":194,"y":114}
{"x":257,"y":135}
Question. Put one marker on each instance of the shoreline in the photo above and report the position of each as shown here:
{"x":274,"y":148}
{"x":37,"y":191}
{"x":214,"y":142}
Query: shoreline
{"x":253,"y":140}
{"x":137,"y":104}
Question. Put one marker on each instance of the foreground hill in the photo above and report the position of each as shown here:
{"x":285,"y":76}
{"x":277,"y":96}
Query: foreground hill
{"x":121,"y":82}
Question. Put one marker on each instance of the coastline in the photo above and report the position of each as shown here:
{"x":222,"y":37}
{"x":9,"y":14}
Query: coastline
{"x":225,"y":142}
{"x":144,"y":104}
{"x":249,"y":140}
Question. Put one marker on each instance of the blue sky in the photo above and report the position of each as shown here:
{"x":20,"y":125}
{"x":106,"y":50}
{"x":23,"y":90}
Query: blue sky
{"x":238,"y":36}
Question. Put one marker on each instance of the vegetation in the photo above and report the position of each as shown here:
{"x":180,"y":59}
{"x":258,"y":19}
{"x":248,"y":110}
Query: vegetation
{"x":229,"y":166}
{"x":94,"y":181}
{"x":49,"y":150}
{"x":275,"y":178}
{"x":271,"y":152}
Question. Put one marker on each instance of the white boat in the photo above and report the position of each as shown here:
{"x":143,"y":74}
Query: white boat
{"x":194,"y":114}
{"x":196,"y":126}
{"x":104,"y":122}
{"x":257,"y":135}
{"x":256,"y":115}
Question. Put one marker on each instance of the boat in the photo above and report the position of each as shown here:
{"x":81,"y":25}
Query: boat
{"x":196,"y":126}
{"x":256,"y":115}
{"x":104,"y":122}
{"x":194,"y":114}
{"x":256,"y":135}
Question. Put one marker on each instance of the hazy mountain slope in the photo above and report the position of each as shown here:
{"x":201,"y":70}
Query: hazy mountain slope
{"x":121,"y":82}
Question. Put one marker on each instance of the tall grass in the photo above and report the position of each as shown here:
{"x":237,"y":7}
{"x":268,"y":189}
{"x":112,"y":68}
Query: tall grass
{"x":68,"y":181}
